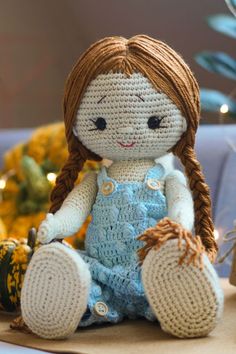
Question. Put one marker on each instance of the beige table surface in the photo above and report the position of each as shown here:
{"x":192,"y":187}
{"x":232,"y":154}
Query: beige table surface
{"x":135,"y":336}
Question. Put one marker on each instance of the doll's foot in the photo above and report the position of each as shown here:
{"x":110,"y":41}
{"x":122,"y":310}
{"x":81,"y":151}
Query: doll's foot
{"x":187,"y":301}
{"x":55,"y":291}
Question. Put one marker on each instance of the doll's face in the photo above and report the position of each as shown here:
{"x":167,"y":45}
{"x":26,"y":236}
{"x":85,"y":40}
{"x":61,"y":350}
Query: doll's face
{"x":124,"y":117}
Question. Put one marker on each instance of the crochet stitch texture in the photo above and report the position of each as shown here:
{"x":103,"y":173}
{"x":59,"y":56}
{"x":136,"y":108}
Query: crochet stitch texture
{"x":121,"y":108}
{"x":119,"y":215}
{"x":187,"y":301}
{"x":127,"y":100}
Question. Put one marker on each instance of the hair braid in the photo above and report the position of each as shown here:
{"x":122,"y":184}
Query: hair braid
{"x":65,"y":181}
{"x":201,"y":196}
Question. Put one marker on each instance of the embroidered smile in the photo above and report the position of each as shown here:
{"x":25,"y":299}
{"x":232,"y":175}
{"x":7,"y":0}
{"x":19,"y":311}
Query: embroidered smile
{"x":126,"y":145}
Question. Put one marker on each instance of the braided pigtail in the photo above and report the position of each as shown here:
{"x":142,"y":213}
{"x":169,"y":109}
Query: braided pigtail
{"x":65,"y":181}
{"x":202,"y":203}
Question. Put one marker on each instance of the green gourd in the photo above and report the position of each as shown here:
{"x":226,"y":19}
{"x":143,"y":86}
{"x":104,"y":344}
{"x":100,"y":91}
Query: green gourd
{"x":14,"y":258}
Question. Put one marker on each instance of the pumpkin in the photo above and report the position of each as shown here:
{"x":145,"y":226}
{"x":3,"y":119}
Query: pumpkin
{"x":15,"y":255}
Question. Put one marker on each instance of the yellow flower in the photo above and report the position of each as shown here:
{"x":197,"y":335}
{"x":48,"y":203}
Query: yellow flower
{"x":8,"y":221}
{"x":38,"y":153}
{"x":37,"y":219}
{"x":12,"y":160}
{"x":11,"y":186}
{"x":20,"y":226}
{"x":7,"y":207}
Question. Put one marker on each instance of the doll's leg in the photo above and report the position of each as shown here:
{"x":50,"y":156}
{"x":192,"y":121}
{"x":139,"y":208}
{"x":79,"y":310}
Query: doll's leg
{"x":55,"y":291}
{"x":187,"y":301}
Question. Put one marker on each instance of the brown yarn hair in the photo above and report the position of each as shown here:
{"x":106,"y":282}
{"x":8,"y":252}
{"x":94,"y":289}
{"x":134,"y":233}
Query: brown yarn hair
{"x":168,"y":72}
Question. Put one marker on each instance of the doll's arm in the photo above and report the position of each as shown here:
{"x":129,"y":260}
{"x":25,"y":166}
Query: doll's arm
{"x":179,"y":200}
{"x":73,"y":212}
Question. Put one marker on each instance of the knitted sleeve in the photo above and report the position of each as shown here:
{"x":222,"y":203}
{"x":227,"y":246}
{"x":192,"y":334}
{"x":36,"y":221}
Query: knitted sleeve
{"x":179,"y":199}
{"x":77,"y":206}
{"x":73,"y":212}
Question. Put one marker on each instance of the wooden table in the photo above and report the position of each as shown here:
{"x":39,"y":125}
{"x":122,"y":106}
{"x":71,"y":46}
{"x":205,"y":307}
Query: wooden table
{"x":135,"y":336}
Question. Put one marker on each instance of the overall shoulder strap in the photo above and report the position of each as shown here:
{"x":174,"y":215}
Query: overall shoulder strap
{"x":102,"y":176}
{"x":156,"y":172}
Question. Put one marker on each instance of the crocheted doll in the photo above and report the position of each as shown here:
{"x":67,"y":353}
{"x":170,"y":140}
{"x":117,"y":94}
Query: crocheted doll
{"x":133,"y":102}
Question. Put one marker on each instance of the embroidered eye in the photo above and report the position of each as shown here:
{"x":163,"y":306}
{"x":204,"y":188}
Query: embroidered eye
{"x":100,"y":123}
{"x":154,"y":122}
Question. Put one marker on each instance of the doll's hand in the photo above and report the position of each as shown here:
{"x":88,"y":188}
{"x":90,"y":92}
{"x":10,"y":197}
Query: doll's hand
{"x":48,"y":229}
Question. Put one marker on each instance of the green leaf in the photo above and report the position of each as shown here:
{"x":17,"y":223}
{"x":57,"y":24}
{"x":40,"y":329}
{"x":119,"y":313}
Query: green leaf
{"x":212,"y":100}
{"x":225,"y":24}
{"x":38,"y":186}
{"x":232,"y":6}
{"x":217,"y":62}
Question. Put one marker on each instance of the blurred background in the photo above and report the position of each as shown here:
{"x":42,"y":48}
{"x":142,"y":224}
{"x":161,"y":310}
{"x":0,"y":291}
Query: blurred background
{"x":40,"y":41}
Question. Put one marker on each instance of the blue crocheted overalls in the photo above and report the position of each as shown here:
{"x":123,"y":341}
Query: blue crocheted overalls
{"x":122,"y":211}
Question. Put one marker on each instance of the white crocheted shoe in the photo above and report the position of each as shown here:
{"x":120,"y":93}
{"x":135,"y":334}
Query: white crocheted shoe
{"x":186,"y":300}
{"x":55,"y":291}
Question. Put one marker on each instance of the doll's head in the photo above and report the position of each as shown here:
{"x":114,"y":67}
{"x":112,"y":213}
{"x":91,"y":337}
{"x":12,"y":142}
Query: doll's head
{"x":126,"y":117}
{"x":128,"y":99}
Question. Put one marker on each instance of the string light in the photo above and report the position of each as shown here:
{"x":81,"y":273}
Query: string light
{"x":216,"y":234}
{"x":224,"y":108}
{"x":2,"y":183}
{"x":51,"y":176}
{"x":5,"y":177}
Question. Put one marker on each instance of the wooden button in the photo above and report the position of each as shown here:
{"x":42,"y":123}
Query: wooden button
{"x":107,"y":187}
{"x":153,"y":184}
{"x":101,"y":308}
